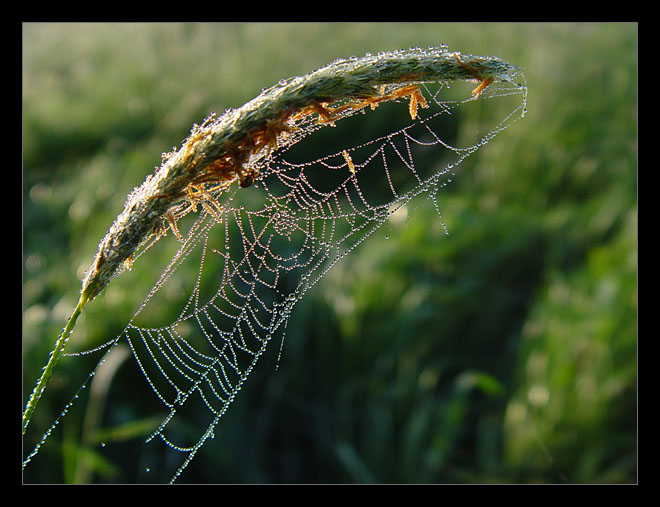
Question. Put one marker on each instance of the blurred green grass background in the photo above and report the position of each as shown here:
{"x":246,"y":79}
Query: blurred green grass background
{"x":504,"y":352}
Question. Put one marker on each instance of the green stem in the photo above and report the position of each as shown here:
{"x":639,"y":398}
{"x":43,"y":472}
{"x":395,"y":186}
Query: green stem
{"x":52,"y":361}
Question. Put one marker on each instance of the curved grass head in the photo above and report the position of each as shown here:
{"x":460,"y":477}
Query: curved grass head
{"x":232,"y":148}
{"x":312,"y":213}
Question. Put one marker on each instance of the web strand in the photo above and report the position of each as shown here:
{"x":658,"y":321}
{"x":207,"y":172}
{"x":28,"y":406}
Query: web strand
{"x":285,"y":245}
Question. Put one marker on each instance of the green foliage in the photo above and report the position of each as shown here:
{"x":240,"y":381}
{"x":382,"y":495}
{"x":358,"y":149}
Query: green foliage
{"x":503,"y":352}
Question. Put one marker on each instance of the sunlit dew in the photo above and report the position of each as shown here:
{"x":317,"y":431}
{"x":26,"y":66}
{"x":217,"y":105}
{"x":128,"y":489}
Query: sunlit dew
{"x":277,"y":250}
{"x":262,"y":248}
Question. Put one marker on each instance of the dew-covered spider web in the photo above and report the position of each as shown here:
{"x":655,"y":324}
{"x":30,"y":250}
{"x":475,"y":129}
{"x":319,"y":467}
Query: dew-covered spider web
{"x":246,"y":256}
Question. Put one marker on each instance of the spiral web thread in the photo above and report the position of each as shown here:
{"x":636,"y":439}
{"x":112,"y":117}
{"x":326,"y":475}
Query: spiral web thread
{"x":255,"y":259}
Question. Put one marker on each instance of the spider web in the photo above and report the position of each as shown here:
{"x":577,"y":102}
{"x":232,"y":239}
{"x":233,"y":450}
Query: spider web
{"x":248,"y":259}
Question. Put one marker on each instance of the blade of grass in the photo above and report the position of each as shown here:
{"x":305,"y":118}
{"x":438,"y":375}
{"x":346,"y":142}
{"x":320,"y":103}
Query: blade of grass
{"x":55,"y":355}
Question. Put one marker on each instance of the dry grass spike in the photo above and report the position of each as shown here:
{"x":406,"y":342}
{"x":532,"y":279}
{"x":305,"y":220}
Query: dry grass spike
{"x":216,"y":153}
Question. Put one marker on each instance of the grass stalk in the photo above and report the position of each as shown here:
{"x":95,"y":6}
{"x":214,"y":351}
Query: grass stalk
{"x":55,"y":355}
